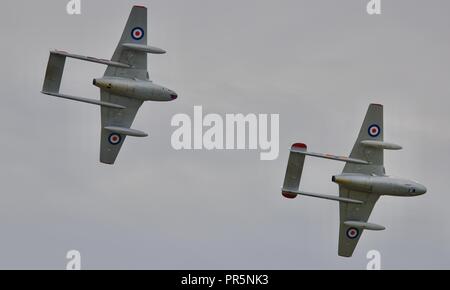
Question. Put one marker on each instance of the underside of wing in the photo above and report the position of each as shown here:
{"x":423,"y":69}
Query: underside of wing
{"x":353,"y":219}
{"x":372,"y":130}
{"x":134,"y":36}
{"x":116,"y":125}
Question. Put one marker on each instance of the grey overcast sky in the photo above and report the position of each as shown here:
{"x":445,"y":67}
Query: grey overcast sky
{"x":317,"y":63}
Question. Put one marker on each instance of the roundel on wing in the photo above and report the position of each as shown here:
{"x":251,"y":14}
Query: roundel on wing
{"x":114,"y":139}
{"x":352,"y":233}
{"x":137,"y":33}
{"x":374,"y":130}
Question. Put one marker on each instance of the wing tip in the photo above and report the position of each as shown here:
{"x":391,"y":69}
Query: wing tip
{"x":106,"y":159}
{"x":288,"y":195}
{"x":300,"y":146}
{"x":107,"y":162}
{"x":376,"y":105}
{"x":346,"y":252}
{"x":345,"y":255}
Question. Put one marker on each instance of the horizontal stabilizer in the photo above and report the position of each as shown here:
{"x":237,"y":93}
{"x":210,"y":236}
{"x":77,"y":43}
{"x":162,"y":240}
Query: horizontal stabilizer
{"x":144,"y":48}
{"x":331,"y":157}
{"x":364,"y":226}
{"x":381,"y":145}
{"x":91,"y":59}
{"x":322,"y":196}
{"x":85,"y":100}
{"x":126,"y":131}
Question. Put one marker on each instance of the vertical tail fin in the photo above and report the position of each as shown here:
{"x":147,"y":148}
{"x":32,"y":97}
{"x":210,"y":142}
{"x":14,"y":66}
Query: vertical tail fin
{"x":54,"y":73}
{"x":294,"y":171}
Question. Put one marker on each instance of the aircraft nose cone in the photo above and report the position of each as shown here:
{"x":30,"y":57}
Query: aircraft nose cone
{"x":421,"y":189}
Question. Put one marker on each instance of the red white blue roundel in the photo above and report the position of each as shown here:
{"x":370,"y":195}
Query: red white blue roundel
{"x":352,"y":233}
{"x":114,"y":139}
{"x":137,"y":33}
{"x":374,"y":131}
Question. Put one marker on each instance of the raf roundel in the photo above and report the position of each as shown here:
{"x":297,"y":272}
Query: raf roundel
{"x":137,"y":33}
{"x":374,"y":131}
{"x":114,"y":139}
{"x":352,"y":233}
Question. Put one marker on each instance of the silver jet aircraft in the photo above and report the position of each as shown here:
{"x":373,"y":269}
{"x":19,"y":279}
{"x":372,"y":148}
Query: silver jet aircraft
{"x":123,"y":88}
{"x":361,"y":183}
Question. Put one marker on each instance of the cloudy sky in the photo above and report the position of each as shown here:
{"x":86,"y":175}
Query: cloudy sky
{"x":317,"y":63}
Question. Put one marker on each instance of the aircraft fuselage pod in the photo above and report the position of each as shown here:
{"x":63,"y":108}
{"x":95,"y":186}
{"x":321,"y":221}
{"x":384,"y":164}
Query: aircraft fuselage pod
{"x":143,"y":90}
{"x":381,"y":185}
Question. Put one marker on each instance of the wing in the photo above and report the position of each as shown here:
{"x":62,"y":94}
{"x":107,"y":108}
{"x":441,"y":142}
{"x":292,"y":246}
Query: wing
{"x":115,"y":120}
{"x":111,"y":139}
{"x":135,"y":33}
{"x":371,"y":130}
{"x":352,"y":212}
